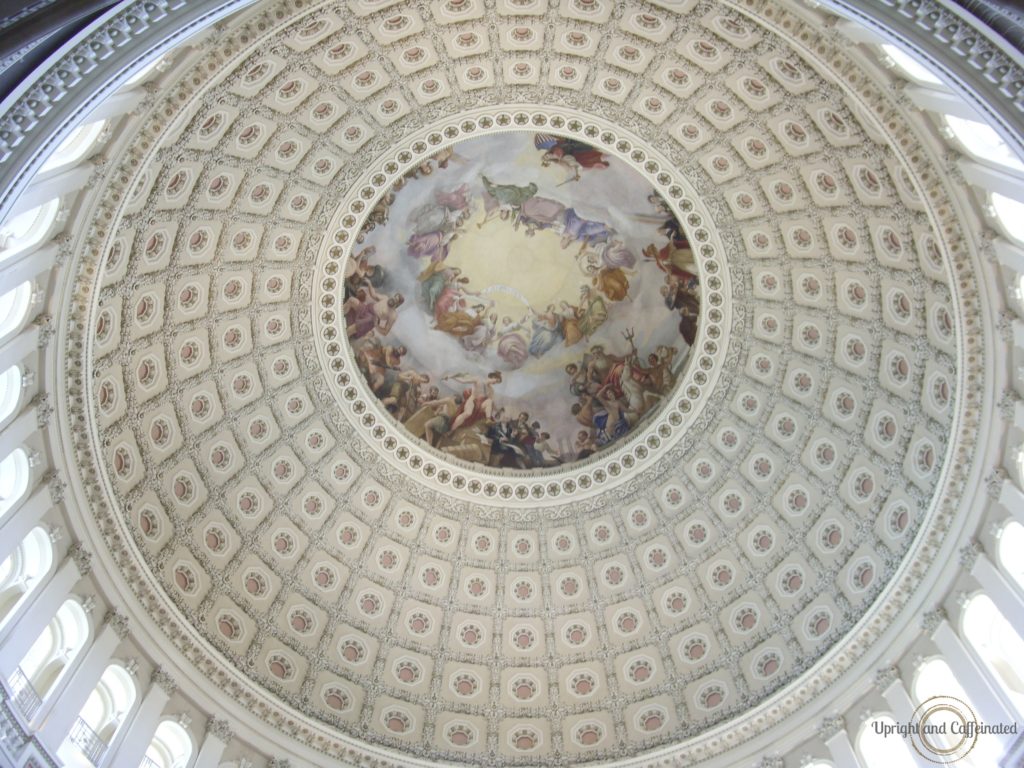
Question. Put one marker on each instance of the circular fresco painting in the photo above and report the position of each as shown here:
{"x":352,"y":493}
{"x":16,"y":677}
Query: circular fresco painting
{"x":521,"y":300}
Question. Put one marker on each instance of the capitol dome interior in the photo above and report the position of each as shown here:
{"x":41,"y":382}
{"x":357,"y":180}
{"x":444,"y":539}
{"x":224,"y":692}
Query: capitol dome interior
{"x":407,"y":383}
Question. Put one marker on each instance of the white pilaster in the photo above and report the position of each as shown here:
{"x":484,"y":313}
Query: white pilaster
{"x":20,"y":521}
{"x":140,"y":729}
{"x":902,"y":707}
{"x":28,"y":265}
{"x":18,"y":431}
{"x":58,"y":185}
{"x":1004,"y":594}
{"x":940,"y":100}
{"x":1011,"y":498}
{"x":20,"y":347}
{"x":119,"y":104}
{"x":65,"y":702}
{"x":1004,"y":181}
{"x":218,"y":735}
{"x":832,"y":731}
{"x":23,"y":628}
{"x":1009,"y":255}
{"x":983,"y":691}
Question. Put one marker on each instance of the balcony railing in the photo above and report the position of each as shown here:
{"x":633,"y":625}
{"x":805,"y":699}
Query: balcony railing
{"x":25,"y":697}
{"x":86,"y":739}
{"x":147,"y":762}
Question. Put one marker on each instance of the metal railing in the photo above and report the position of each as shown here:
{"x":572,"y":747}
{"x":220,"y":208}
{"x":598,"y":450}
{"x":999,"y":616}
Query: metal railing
{"x":86,"y":739}
{"x":25,"y":697}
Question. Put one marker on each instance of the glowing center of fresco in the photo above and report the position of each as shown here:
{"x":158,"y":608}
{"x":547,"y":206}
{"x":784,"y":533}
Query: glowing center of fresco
{"x":521,"y":301}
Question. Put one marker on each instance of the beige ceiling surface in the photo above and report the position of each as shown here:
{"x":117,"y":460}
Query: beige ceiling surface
{"x":383,"y":593}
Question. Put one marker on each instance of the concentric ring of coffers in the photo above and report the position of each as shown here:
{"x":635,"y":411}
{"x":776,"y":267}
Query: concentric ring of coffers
{"x":278,"y":535}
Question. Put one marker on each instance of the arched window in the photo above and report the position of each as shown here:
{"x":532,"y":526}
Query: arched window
{"x":171,"y":746}
{"x":23,"y":570}
{"x":997,"y":644}
{"x":105,"y":710}
{"x":51,"y":654}
{"x":935,"y":678}
{"x":10,"y":391}
{"x":876,"y":749}
{"x":14,"y":476}
{"x":910,"y":67}
{"x":27,"y":229}
{"x":983,"y":142}
{"x":1010,"y":214}
{"x":76,"y":146}
{"x":1011,"y":544}
{"x":14,"y":306}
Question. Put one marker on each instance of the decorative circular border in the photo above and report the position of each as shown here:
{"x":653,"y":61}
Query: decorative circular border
{"x":512,"y":487}
{"x":904,"y":591}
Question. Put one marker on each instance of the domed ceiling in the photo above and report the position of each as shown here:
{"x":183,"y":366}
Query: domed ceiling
{"x":521,"y":382}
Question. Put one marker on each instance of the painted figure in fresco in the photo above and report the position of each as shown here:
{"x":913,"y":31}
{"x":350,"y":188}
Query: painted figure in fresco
{"x":453,"y":296}
{"x":585,"y":231}
{"x":493,"y":208}
{"x":578,"y":380}
{"x":434,"y":279}
{"x":547,"y":331}
{"x":660,"y":370}
{"x":460,"y":313}
{"x":585,"y":445}
{"x":368,"y":311}
{"x":380,"y":364}
{"x":360,"y":318}
{"x":549,"y":454}
{"x":434,"y":227}
{"x":603,"y":372}
{"x":531,"y":443}
{"x":610,"y":420}
{"x":636,"y":388}
{"x":509,"y":194}
{"x":441,"y":422}
{"x":504,"y":200}
{"x":506,"y":447}
{"x":378,"y":217}
{"x":568,"y":153}
{"x":569,"y":318}
{"x":683,"y":296}
{"x":615,"y":255}
{"x":359,"y":272}
{"x":593,"y":311}
{"x":613,"y":283}
{"x":603,"y":416}
{"x":615,"y":391}
{"x":433,"y":245}
{"x":675,"y":258}
{"x":540,"y":213}
{"x":455,"y":200}
{"x":434,"y":417}
{"x":401,"y":393}
{"x":670,"y":226}
{"x":482,"y":334}
{"x":431,"y":217}
{"x":511,"y":344}
{"x":478,"y":398}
